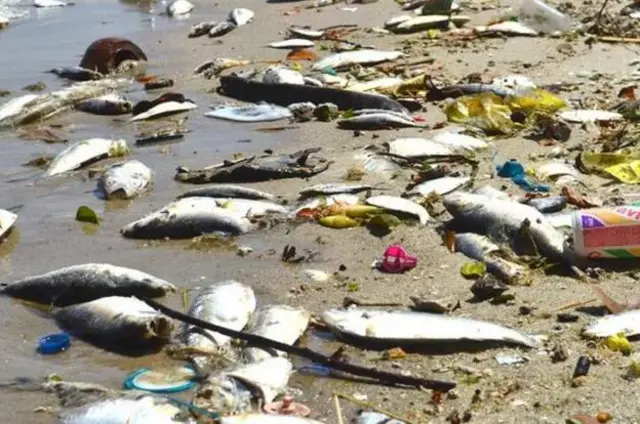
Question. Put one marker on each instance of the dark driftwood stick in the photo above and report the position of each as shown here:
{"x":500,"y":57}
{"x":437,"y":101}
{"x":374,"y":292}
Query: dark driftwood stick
{"x":258,"y":341}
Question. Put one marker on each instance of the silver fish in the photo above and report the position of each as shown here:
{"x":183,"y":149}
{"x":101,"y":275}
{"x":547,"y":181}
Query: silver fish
{"x":179,"y":7}
{"x":250,"y":208}
{"x":125,"y":180}
{"x":7,"y":221}
{"x":115,"y":318}
{"x":281,"y":75}
{"x":439,"y":186}
{"x":213,"y":67}
{"x":50,"y":3}
{"x":187,"y":218}
{"x":345,"y":199}
{"x":307,"y":33}
{"x":325,"y":189}
{"x":376,"y":121}
{"x":228,"y":190}
{"x":14,"y":106}
{"x":398,"y":204}
{"x":501,"y":219}
{"x":292,"y":43}
{"x":627,"y":322}
{"x":403,"y":328}
{"x":369,"y":111}
{"x":356,"y":57}
{"x":459,"y":141}
{"x":267,"y":419}
{"x":235,"y":392}
{"x":109,"y":104}
{"x":200,"y":29}
{"x":377,"y":164}
{"x":480,"y":248}
{"x":492,"y":193}
{"x":86,"y":282}
{"x":221,"y":29}
{"x":84,"y":153}
{"x":77,"y":73}
{"x":241,"y":16}
{"x":366,"y":417}
{"x":417,"y":148}
{"x":422,"y":23}
{"x":281,"y":323}
{"x":164,"y":109}
{"x":255,"y":113}
{"x":396,"y":20}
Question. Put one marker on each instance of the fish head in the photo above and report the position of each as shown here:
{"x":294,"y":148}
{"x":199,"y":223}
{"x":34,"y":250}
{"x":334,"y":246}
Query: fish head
{"x":225,"y":395}
{"x":160,"y":327}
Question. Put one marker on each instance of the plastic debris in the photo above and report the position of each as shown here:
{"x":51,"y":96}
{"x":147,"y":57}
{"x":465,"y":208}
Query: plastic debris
{"x":514,"y":170}
{"x":473,"y":269}
{"x":396,"y":259}
{"x":619,"y":343}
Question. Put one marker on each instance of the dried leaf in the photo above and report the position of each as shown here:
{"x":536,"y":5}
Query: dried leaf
{"x":302,"y":55}
{"x":143,"y":79}
{"x":395,"y":353}
{"x":450,"y":240}
{"x":613,"y":306}
{"x":628,"y":93}
{"x":576,"y":199}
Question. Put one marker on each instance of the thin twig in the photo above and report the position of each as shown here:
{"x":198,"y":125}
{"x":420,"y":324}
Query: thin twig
{"x":599,"y":16}
{"x":336,"y":402}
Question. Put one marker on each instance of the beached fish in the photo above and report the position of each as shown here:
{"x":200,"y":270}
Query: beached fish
{"x":179,"y":7}
{"x":241,"y":16}
{"x":377,"y":121}
{"x":281,"y":75}
{"x":241,"y":390}
{"x":221,"y":29}
{"x":165,"y":105}
{"x":228,"y":190}
{"x":418,"y":148}
{"x":86,"y":152}
{"x":411,"y":328}
{"x":396,"y":20}
{"x":109,"y":104}
{"x":502,"y":219}
{"x":7,"y":221}
{"x":281,"y":323}
{"x":254,"y":113}
{"x":590,"y":115}
{"x":480,"y":248}
{"x":14,"y":106}
{"x":625,"y":322}
{"x":366,"y":417}
{"x":457,"y":140}
{"x":200,"y":29}
{"x":422,"y":23}
{"x":356,"y":57}
{"x":250,"y":208}
{"x":76,"y":73}
{"x":327,"y":189}
{"x":228,"y":304}
{"x":50,"y":3}
{"x":440,"y":186}
{"x":125,"y":180}
{"x":126,"y":320}
{"x":548,"y":204}
{"x":398,"y":204}
{"x":292,"y":43}
{"x":86,"y":282}
{"x":376,"y":84}
{"x":507,"y":28}
{"x":267,"y":419}
{"x":187,"y":218}
{"x":377,"y":164}
{"x":214,"y":67}
{"x":492,"y":193}
{"x":308,"y":33}
{"x":342,"y":199}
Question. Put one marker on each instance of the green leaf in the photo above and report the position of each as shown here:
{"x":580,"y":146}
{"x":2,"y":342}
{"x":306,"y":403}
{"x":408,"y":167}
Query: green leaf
{"x":86,"y":214}
{"x":473,"y":269}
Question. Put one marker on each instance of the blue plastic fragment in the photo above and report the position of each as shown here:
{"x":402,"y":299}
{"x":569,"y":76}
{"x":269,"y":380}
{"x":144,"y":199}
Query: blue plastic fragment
{"x":514,"y":170}
{"x":54,"y":343}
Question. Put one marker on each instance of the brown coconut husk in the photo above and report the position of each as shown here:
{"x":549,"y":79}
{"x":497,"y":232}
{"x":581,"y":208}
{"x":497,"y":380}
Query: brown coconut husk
{"x":104,"y":55}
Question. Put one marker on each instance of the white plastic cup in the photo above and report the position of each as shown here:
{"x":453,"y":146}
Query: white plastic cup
{"x":541,"y":17}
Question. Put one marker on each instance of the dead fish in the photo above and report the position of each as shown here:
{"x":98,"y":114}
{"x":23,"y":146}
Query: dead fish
{"x":377,"y":164}
{"x":376,"y":121}
{"x":125,"y":180}
{"x":548,"y":204}
{"x":625,"y":322}
{"x":215,"y":66}
{"x":440,"y":186}
{"x":254,"y":113}
{"x":480,"y":248}
{"x":282,"y":323}
{"x":588,"y":115}
{"x":507,"y":28}
{"x":240,"y":16}
{"x":328,"y":189}
{"x":410,"y":328}
{"x":179,"y":7}
{"x":457,"y":140}
{"x":266,"y":419}
{"x":241,"y":390}
{"x":501,"y":219}
{"x":187,"y":218}
{"x":164,"y":105}
{"x":228,"y":304}
{"x":307,"y":33}
{"x":422,"y":23}
{"x":376,"y":84}
{"x":356,"y":57}
{"x":200,"y":29}
{"x":86,"y":282}
{"x":398,"y":204}
{"x":282,"y":75}
{"x":367,"y":417}
{"x":7,"y":221}
{"x":342,"y":199}
{"x":76,"y":73}
{"x":86,"y":152}
{"x":50,"y":3}
{"x":492,"y":193}
{"x":396,"y":20}
{"x":250,"y":208}
{"x":109,"y":104}
{"x":417,"y":148}
{"x":14,"y":106}
{"x":228,"y":190}
{"x":292,"y":43}
{"x":115,"y":319}
{"x":222,"y":28}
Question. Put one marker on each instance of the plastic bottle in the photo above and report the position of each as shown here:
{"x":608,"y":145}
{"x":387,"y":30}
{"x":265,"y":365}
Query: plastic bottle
{"x":607,"y":232}
{"x":541,"y":17}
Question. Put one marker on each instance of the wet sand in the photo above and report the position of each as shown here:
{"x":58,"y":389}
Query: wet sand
{"x":48,"y":238}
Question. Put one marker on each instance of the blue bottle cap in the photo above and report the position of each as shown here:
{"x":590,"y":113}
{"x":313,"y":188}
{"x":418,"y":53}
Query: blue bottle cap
{"x":161,"y":381}
{"x":54,"y":343}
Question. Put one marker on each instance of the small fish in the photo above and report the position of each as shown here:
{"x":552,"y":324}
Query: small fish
{"x":187,"y":218}
{"x":115,"y":319}
{"x":440,"y":186}
{"x":422,"y":23}
{"x":585,"y":115}
{"x":84,"y":153}
{"x":410,"y":328}
{"x":457,"y":140}
{"x":50,"y":3}
{"x":179,"y":7}
{"x":215,"y":66}
{"x":282,"y":75}
{"x":77,"y":73}
{"x":507,"y":28}
{"x":282,"y":323}
{"x":254,"y":113}
{"x":376,"y":121}
{"x":625,"y":322}
{"x":356,"y":57}
{"x":377,"y":164}
{"x":125,"y":180}
{"x":307,"y":33}
{"x":398,"y":204}
{"x":221,"y":29}
{"x":342,"y":199}
{"x":292,"y":43}
{"x":328,"y":189}
{"x":86,"y":282}
{"x":14,"y":106}
{"x":228,"y":304}
{"x":200,"y":29}
{"x":367,"y":417}
{"x":228,"y":190}
{"x":7,"y":221}
{"x":480,"y":248}
{"x":250,"y":208}
{"x":501,"y":219}
{"x":492,"y":193}
{"x":376,"y":84}
{"x":396,"y":20}
{"x":165,"y":105}
{"x":240,"y":16}
{"x":109,"y":104}
{"x":553,"y":170}
{"x":418,"y":148}
{"x":267,"y":419}
{"x":548,"y":204}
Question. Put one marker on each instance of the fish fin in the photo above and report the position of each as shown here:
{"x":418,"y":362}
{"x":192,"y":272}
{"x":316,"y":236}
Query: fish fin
{"x":613,"y":306}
